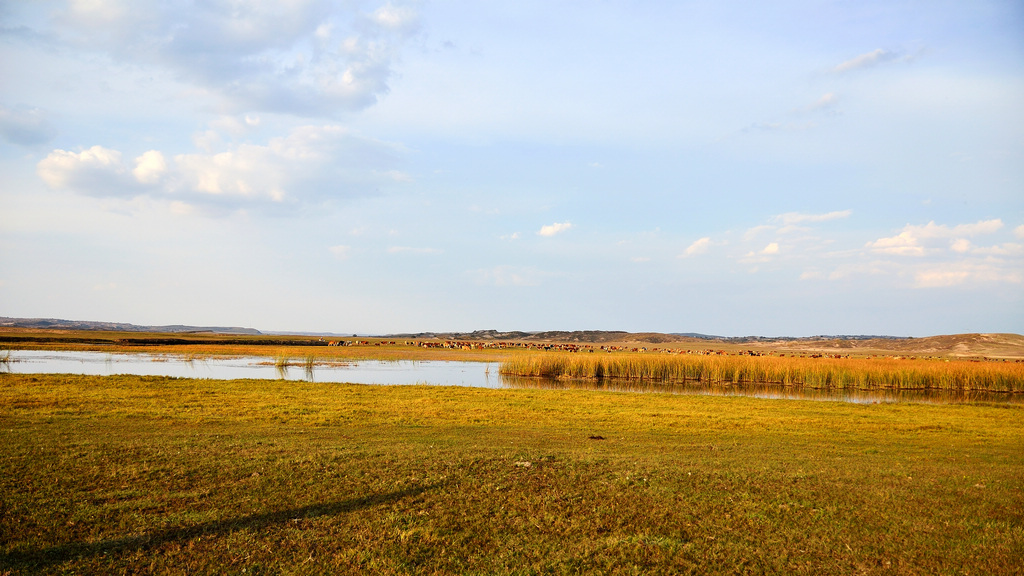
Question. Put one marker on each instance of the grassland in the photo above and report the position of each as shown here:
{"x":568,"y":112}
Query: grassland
{"x":157,"y":475}
{"x":837,"y":373}
{"x":957,"y":346}
{"x":289,"y":348}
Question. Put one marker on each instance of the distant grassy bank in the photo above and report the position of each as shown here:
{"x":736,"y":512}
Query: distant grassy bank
{"x":200,"y":345}
{"x":143,"y":474}
{"x":866,"y":373}
{"x":974,"y":346}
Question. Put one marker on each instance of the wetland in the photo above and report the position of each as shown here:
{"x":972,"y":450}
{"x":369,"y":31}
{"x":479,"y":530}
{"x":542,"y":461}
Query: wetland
{"x":283,"y":465}
{"x":447,"y":373}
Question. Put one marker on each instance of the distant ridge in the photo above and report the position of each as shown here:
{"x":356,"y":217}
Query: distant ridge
{"x":553,"y":335}
{"x":59,"y":324}
{"x":973,"y":345}
{"x":599,"y":336}
{"x":588,"y":336}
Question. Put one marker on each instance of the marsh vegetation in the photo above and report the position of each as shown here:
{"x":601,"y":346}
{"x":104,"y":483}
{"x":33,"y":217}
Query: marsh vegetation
{"x":840,"y":373}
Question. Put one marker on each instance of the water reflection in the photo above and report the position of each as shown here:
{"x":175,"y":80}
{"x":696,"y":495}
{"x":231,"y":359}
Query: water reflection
{"x":439,"y":373}
{"x":775,"y":391}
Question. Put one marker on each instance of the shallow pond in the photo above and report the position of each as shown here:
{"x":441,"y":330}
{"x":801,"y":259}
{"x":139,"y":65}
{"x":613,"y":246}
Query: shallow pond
{"x":437,"y":373}
{"x":476,"y":374}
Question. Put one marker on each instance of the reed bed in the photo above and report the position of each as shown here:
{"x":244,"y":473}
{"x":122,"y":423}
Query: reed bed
{"x":861,"y":373}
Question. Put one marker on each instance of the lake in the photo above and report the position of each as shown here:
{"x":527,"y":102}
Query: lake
{"x":430,"y":372}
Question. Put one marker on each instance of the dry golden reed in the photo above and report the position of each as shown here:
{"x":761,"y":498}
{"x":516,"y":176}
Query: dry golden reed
{"x":899,"y":374}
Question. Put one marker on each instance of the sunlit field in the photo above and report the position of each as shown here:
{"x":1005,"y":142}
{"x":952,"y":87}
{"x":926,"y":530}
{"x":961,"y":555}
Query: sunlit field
{"x":130,"y":474}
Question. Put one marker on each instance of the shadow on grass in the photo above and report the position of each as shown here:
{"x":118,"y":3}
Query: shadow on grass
{"x":26,"y":559}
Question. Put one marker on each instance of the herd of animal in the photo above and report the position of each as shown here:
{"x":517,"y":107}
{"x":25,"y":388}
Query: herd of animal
{"x":548,"y":346}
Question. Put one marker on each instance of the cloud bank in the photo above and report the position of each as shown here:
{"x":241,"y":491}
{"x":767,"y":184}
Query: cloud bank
{"x":914,"y":240}
{"x":311,"y":164}
{"x":303,"y":57}
{"x":791,"y":218}
{"x":552,"y":229}
{"x":873,"y":58}
{"x":698,"y":247}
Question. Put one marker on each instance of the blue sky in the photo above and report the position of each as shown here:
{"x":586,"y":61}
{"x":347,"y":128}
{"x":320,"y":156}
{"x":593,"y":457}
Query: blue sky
{"x":784,"y":168}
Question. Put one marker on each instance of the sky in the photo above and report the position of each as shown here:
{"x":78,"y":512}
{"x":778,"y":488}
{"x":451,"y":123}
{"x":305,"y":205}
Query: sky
{"x":789,"y":168}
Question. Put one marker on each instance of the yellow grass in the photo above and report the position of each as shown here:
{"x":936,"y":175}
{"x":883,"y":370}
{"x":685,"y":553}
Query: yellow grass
{"x":154,"y":475}
{"x":810,"y":372}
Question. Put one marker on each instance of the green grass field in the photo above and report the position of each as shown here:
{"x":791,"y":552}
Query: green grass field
{"x":132,"y":474}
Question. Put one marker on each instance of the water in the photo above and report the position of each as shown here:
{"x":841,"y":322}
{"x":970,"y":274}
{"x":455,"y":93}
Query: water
{"x":438,"y":373}
{"x":771,"y":391}
{"x":475,"y":374}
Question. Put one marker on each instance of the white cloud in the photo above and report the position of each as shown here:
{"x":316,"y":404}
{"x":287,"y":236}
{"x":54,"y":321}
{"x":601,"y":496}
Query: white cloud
{"x":904,"y":244}
{"x":508,"y":276}
{"x":827,"y":99}
{"x":753,"y":232}
{"x":25,"y":126}
{"x":552,"y":229}
{"x":234,"y":125}
{"x":97,"y":171}
{"x":791,"y":218}
{"x":945,"y":257}
{"x":207,"y":140}
{"x":940,"y":278}
{"x":867,"y":60}
{"x":961,"y":245}
{"x":761,"y":256}
{"x":312,"y":163}
{"x":826,"y":102}
{"x":871,"y":268}
{"x":150,"y":167}
{"x":412,"y":250}
{"x":1006,"y":249}
{"x":305,"y":57}
{"x":699,"y":246}
{"x":182,"y":208}
{"x":981,"y":227}
{"x":341,"y":251}
{"x":400,"y":18}
{"x":912,"y":239}
{"x":246,"y":171}
{"x":1019,"y":231}
{"x":954,"y":274}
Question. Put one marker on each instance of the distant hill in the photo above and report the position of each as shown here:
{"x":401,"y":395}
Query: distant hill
{"x":588,"y":336}
{"x":603,"y":336}
{"x":59,"y":324}
{"x":1006,"y":346}
{"x":954,"y":345}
